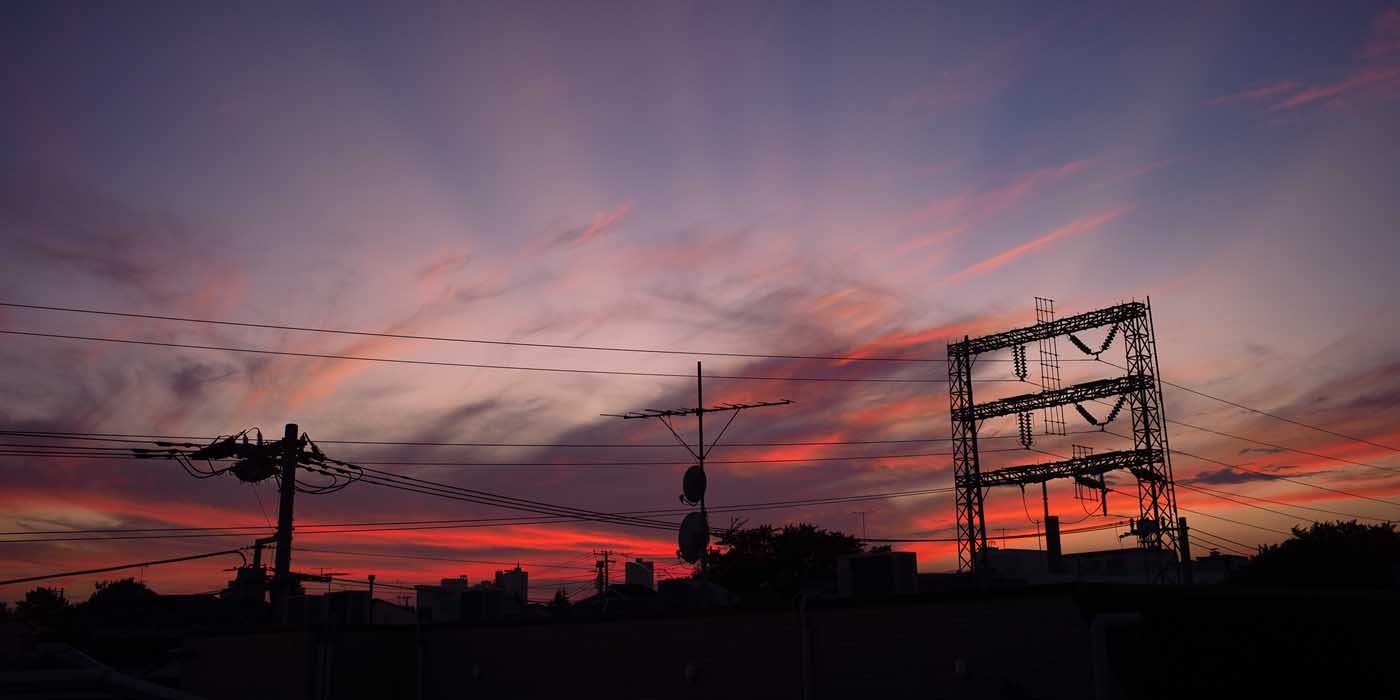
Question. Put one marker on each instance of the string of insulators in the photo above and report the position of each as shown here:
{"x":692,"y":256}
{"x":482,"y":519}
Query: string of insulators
{"x":1023,"y":423}
{"x":1112,"y":333}
{"x":1084,"y":348}
{"x":1018,"y":359}
{"x":1117,"y":407}
{"x":1087,"y":415}
{"x":1080,"y":344}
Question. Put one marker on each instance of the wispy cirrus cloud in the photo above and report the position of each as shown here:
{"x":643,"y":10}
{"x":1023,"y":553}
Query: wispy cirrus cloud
{"x":1074,"y":228}
{"x":1385,"y":35}
{"x":602,"y":223}
{"x":1258,"y":93}
{"x":1361,"y":81}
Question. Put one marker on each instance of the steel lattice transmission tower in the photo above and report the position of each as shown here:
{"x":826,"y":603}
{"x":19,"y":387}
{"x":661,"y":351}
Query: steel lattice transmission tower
{"x":1139,"y":388}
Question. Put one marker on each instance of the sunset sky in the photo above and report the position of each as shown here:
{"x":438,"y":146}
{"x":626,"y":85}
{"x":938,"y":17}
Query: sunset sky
{"x":763,"y":178}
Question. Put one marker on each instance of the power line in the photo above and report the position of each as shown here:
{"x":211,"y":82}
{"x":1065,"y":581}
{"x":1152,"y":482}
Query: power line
{"x":146,"y":438}
{"x":1205,"y":539}
{"x":119,"y":567}
{"x":1218,"y":517}
{"x":411,"y":525}
{"x":1232,"y":498}
{"x":36,"y":450}
{"x":476,"y":341}
{"x":380,"y":555}
{"x":1224,"y":539}
{"x":1261,"y":412}
{"x":1026,"y":535}
{"x":1282,"y":447}
{"x":1237,"y":522}
{"x":473,"y":365}
{"x":1195,"y":485}
{"x":1280,"y":477}
{"x":1268,"y":475}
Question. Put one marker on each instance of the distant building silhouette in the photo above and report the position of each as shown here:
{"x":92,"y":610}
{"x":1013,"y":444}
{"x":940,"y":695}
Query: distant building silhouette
{"x":515,"y":583}
{"x":877,"y":574}
{"x":1216,"y":567}
{"x":641,"y":573}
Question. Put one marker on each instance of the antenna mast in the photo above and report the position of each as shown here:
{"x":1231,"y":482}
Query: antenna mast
{"x":695,"y":530}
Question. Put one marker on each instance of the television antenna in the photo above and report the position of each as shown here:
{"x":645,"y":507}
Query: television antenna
{"x":694,"y":535}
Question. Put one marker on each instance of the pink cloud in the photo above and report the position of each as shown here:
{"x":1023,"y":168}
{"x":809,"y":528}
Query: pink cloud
{"x":1370,"y":78}
{"x":1385,"y":34}
{"x":1258,"y":93}
{"x":1079,"y":226}
{"x":977,"y":205}
{"x":602,"y":222}
{"x":989,"y":73}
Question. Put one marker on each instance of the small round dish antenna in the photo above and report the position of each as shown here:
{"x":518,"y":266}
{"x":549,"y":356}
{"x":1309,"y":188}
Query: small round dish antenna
{"x":693,"y":485}
{"x":694,"y":537}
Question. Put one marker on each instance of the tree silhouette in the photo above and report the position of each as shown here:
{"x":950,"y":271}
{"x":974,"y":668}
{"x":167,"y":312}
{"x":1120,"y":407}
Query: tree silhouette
{"x":1330,"y":554}
{"x":560,"y":605}
{"x":121,"y":602}
{"x":121,"y":592}
{"x":44,"y":607}
{"x":778,"y":560}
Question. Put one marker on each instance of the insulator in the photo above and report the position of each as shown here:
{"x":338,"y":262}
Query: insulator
{"x":1018,"y":359}
{"x":1087,"y":415}
{"x":1023,"y":424}
{"x":1116,"y":408}
{"x":1080,"y":344}
{"x":1112,"y":332}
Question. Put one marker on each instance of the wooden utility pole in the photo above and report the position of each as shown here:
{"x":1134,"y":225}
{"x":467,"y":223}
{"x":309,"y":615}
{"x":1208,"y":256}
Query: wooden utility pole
{"x":282,"y":571}
{"x":604,"y":570}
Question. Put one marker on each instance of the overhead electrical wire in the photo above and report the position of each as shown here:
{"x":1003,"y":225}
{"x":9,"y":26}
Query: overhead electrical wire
{"x":454,"y":560}
{"x":140,"y":438}
{"x":1222,"y":538}
{"x":42,"y":450}
{"x":1276,"y":446}
{"x":475,"y":341}
{"x":481,"y":341}
{"x":1026,"y":535}
{"x":1205,"y":538}
{"x":1262,"y":412}
{"x":1266,"y":509}
{"x":96,"y":534}
{"x":475,"y":365}
{"x":1238,"y":522}
{"x":119,"y":567}
{"x":1268,"y":475}
{"x":1197,"y":486}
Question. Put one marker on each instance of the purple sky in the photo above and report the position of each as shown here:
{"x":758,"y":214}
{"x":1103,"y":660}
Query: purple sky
{"x":698,"y":176}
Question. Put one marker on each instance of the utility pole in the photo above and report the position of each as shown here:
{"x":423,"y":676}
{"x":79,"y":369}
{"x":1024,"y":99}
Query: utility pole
{"x":861,"y":515}
{"x":282,"y":573}
{"x":254,"y":463}
{"x":604,"y":572}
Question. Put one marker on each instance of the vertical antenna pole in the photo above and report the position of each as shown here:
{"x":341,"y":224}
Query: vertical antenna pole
{"x":700,"y":421}
{"x":700,"y":453}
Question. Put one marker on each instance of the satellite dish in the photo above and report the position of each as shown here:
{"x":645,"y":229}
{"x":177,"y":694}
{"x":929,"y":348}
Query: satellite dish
{"x":693,"y":485}
{"x":694,"y":537}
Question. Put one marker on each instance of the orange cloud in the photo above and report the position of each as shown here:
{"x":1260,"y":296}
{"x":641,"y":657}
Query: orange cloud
{"x":1079,"y":226}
